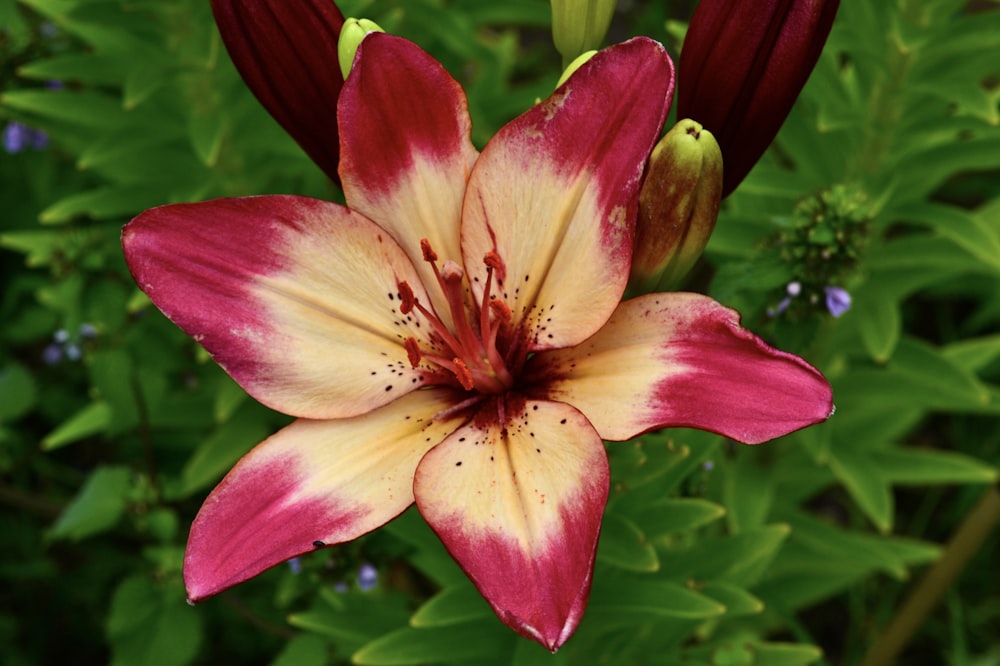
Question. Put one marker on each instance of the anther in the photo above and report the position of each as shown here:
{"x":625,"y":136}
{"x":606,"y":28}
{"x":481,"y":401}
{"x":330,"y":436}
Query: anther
{"x":493,"y":260}
{"x":408,"y":300}
{"x":428,"y":252}
{"x":463,"y":375}
{"x":500,"y":310}
{"x":412,"y":351}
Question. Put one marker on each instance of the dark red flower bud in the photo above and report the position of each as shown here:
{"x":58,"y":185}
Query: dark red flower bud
{"x":286,"y":53}
{"x":742,"y":67}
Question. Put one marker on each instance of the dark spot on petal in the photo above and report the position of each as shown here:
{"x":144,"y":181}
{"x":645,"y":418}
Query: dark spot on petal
{"x":458,"y":464}
{"x":389,"y":387}
{"x":318,"y":544}
{"x":563,"y":421}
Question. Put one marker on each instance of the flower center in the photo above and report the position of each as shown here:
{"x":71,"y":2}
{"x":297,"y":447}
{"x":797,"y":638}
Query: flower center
{"x":468,"y":353}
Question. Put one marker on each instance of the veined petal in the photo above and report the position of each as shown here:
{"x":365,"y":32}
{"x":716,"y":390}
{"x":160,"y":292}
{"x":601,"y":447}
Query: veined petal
{"x":554,"y":193}
{"x":312,"y":482}
{"x":519,"y":507}
{"x":404,"y":127}
{"x":683,"y":360}
{"x":284,"y":50}
{"x":296,"y":298}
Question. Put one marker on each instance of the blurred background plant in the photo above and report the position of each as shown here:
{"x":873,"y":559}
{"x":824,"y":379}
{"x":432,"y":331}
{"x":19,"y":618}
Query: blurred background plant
{"x":866,"y":240}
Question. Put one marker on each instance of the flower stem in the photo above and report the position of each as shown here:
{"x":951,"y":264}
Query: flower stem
{"x":964,"y":543}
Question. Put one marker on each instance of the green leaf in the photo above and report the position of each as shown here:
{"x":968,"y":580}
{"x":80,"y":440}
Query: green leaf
{"x":350,"y":619}
{"x":96,"y":508}
{"x":409,"y":646}
{"x":877,"y":317}
{"x":453,"y":605}
{"x":672,"y":516}
{"x":39,"y":246}
{"x":217,"y":454}
{"x":966,"y":229}
{"x":623,"y":545}
{"x":87,"y":109}
{"x":620,"y":600}
{"x":90,"y":68}
{"x":785,"y":654}
{"x":303,"y":650}
{"x":112,"y":375}
{"x":103,"y":203}
{"x":736,"y":600}
{"x":152,"y":625}
{"x":928,"y":466}
{"x":18,"y":392}
{"x":973,"y":354}
{"x":93,"y":419}
{"x":860,"y":475}
{"x":740,"y":559}
{"x":748,"y":492}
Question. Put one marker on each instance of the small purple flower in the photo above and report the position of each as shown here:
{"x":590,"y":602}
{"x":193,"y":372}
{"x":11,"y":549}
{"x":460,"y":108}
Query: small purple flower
{"x":73,"y":351}
{"x":793,"y":289}
{"x":838,"y":301}
{"x":18,"y":137}
{"x":295,"y":564}
{"x":52,"y":354}
{"x":367,"y":577}
{"x":87,"y":331}
{"x":340,"y":587}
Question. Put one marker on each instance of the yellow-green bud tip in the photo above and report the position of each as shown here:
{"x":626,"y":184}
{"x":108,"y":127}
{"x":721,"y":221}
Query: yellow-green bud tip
{"x":580,"y":25}
{"x":678,"y":205}
{"x":351,"y":36}
{"x":575,"y":65}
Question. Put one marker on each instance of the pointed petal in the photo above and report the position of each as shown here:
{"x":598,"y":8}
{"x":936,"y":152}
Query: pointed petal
{"x":683,"y":360}
{"x":294,"y":297}
{"x":520,"y":509}
{"x":554,"y":192}
{"x":407,"y":154}
{"x":286,"y":53}
{"x":313,"y":481}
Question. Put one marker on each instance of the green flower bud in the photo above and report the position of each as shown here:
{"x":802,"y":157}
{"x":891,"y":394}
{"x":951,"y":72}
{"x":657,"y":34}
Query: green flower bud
{"x":575,"y":65}
{"x":580,"y":25}
{"x":351,"y":34}
{"x":678,"y":205}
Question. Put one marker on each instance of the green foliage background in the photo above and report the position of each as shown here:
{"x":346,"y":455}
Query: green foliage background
{"x":884,"y":181}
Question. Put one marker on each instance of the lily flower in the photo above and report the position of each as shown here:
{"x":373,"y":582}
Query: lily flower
{"x":453,"y":337}
{"x":742,"y":67}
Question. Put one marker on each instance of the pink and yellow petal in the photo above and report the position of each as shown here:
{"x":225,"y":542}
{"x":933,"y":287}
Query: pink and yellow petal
{"x":295,"y":298}
{"x":519,"y":507}
{"x":406,"y":151}
{"x":283,"y":51}
{"x":314,"y":483}
{"x":679,"y":359}
{"x":554,"y":193}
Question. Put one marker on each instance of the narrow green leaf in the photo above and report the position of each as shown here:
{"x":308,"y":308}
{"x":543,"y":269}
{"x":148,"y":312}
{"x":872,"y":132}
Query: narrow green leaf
{"x":739,"y":559}
{"x":785,"y":654}
{"x":928,"y":466}
{"x":736,"y":599}
{"x":621,"y":600}
{"x":973,"y":354}
{"x":96,"y":508}
{"x":409,"y":646}
{"x":91,"y":420}
{"x":303,"y":650}
{"x":103,"y":203}
{"x":453,"y":605}
{"x":877,"y":318}
{"x":90,"y":68}
{"x":748,"y":492}
{"x":965,"y":229}
{"x":623,"y":545}
{"x":673,"y":516}
{"x":217,"y":454}
{"x":860,"y":475}
{"x":81,"y":108}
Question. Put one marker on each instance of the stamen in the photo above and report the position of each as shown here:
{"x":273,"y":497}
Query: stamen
{"x":501,"y":310}
{"x":407,"y":297}
{"x":412,"y":351}
{"x":429,"y":254}
{"x":463,"y":375}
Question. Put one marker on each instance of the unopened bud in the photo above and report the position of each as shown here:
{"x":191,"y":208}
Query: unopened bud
{"x":351,"y":35}
{"x":678,"y":205}
{"x":580,"y":25}
{"x":575,"y":65}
